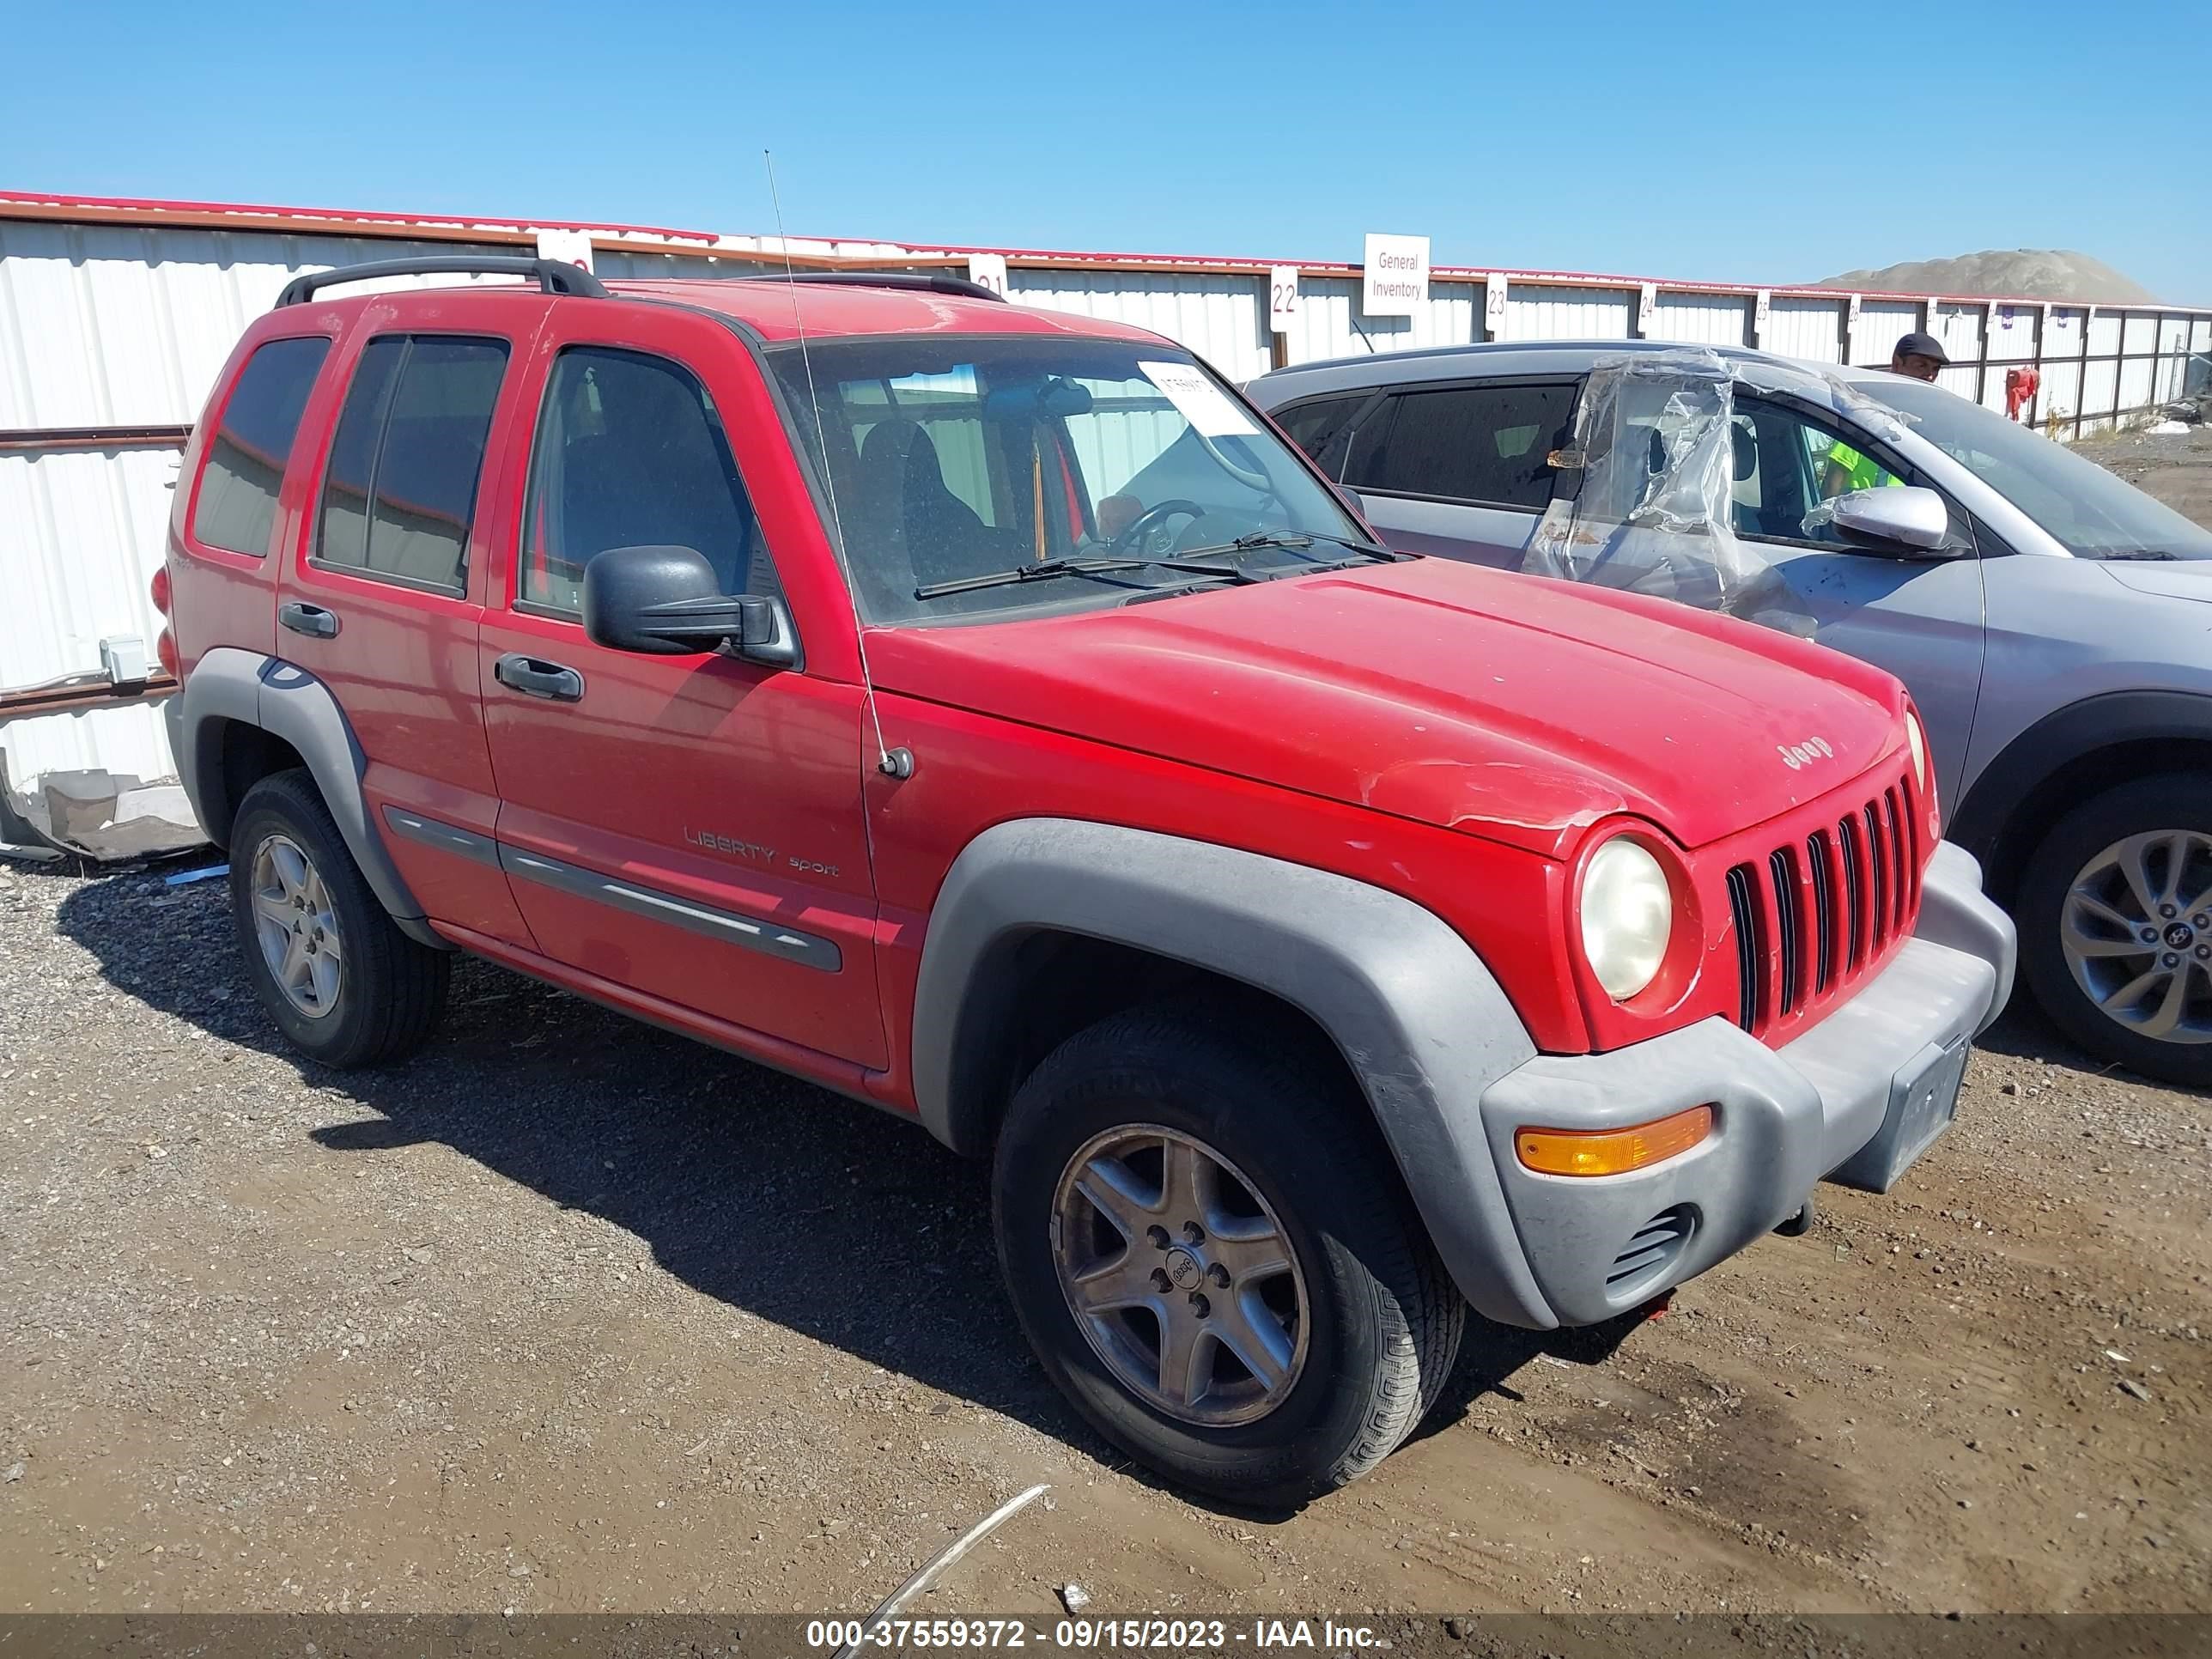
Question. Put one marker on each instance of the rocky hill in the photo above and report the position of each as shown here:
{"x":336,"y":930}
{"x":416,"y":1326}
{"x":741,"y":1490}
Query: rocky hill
{"x":2025,"y":273}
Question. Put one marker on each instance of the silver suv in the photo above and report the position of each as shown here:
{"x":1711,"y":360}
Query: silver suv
{"x":2038,"y":608}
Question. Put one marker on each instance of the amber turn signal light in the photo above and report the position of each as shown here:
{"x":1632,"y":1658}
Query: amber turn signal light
{"x":1612,"y":1152}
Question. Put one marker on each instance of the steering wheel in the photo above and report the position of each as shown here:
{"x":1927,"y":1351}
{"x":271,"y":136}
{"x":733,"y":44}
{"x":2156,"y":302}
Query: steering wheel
{"x":1131,"y":536}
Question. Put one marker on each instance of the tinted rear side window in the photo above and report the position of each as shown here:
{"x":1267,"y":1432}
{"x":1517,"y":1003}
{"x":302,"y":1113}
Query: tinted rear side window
{"x":1320,"y":428}
{"x":1479,"y":443}
{"x":246,"y":462}
{"x":402,"y":487}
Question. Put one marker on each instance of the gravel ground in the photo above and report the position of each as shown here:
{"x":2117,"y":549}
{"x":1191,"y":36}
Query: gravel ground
{"x":567,"y":1315}
{"x":2177,"y":470}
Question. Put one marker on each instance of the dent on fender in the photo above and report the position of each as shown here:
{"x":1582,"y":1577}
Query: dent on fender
{"x":1471,"y":795}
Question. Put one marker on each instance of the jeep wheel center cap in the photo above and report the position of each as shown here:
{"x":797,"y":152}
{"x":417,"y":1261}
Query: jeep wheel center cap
{"x":1184,"y":1270}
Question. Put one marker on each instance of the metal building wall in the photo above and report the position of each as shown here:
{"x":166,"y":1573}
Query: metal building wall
{"x":1800,"y":327}
{"x":1219,"y":317}
{"x":1881,"y":323}
{"x":112,"y":326}
{"x":1330,"y":323}
{"x":1702,"y":318}
{"x":1540,"y":311}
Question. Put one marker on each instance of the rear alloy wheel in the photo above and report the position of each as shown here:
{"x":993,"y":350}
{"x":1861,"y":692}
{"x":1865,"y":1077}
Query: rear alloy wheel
{"x":339,"y":979}
{"x":295,"y":927}
{"x":1215,"y":1259}
{"x":2116,"y":921}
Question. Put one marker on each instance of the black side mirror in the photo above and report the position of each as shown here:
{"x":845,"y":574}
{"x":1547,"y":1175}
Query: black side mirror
{"x":666,"y":601}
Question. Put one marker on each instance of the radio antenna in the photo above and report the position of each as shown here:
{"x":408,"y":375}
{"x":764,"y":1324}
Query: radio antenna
{"x":892,"y":762}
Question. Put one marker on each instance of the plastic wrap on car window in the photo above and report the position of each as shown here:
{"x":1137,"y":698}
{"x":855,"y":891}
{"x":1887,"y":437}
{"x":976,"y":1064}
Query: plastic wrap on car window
{"x":1655,"y":444}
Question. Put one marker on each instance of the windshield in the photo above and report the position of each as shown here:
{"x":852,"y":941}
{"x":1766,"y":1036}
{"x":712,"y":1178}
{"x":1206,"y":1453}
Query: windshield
{"x":2092,"y":513}
{"x":957,"y":459}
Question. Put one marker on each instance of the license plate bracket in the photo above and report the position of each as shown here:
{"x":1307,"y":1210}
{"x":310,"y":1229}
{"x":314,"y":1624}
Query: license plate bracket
{"x":1923,"y":1100}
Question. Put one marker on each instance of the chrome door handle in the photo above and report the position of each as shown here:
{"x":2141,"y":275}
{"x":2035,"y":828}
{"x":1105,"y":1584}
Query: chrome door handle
{"x":536,"y":678}
{"x":309,"y":619}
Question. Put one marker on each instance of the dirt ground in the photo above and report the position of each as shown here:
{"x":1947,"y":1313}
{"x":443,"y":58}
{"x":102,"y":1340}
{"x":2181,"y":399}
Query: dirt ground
{"x":570,"y":1315}
{"x":567,"y":1315}
{"x":2176,"y":470}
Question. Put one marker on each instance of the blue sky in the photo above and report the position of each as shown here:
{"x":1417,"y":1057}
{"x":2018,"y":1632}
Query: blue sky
{"x":1722,"y":140}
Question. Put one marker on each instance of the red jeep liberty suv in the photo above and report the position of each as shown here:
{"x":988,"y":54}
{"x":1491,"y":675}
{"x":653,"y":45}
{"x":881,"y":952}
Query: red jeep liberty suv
{"x":984,"y":712}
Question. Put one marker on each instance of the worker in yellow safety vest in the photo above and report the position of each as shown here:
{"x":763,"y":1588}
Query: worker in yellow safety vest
{"x":1849,"y":469}
{"x":1918,"y":356}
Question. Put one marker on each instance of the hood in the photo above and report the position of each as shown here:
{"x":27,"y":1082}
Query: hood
{"x":2175,"y":579}
{"x":1506,"y":706}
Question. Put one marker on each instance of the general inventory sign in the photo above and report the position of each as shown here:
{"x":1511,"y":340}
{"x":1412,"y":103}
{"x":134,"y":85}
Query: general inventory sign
{"x":1395,"y":280}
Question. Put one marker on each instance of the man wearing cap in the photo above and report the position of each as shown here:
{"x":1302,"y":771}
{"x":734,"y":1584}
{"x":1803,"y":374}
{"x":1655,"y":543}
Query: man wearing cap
{"x":1918,"y":356}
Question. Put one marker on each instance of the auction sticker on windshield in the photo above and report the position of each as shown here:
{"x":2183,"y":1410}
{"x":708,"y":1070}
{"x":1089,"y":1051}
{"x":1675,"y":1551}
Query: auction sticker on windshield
{"x":1202,"y":402}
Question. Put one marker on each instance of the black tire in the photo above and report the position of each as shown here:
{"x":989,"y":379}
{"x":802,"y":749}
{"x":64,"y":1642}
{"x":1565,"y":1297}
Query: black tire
{"x":2178,"y":801}
{"x":391,"y":988}
{"x":1384,"y":1323}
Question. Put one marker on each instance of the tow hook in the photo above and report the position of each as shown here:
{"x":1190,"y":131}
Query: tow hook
{"x":1799,"y":1224}
{"x":1657,"y":1307}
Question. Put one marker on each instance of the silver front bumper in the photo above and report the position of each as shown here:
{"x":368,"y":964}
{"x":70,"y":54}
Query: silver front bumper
{"x":1855,"y":1100}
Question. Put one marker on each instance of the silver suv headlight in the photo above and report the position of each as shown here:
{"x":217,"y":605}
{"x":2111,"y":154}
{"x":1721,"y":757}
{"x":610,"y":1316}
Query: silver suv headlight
{"x":1627,"y":910}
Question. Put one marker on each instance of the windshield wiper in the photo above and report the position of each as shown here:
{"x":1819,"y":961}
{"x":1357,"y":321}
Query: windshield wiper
{"x":2139,"y":554}
{"x":1293,"y":540}
{"x":1043,"y":568}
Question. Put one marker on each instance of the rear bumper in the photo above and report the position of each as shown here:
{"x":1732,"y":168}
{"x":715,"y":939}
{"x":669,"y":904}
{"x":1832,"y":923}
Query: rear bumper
{"x":1854,"y":1100}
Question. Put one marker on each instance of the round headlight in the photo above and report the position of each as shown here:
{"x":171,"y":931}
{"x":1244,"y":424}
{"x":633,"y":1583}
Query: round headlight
{"x":1627,"y":917}
{"x":1919,"y":747}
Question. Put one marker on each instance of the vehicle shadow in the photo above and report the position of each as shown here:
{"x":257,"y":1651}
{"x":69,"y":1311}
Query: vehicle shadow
{"x":827,"y":1217}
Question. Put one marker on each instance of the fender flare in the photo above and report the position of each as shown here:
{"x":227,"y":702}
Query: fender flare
{"x":1421,"y":1021}
{"x":287,"y":702}
{"x":1987,"y":814}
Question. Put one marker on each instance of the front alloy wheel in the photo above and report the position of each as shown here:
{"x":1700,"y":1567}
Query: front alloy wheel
{"x":1180,"y":1276}
{"x":1213,"y":1254}
{"x":2115,"y":914}
{"x":2137,"y":933}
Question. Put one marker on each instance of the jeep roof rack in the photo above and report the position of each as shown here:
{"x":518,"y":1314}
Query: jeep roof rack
{"x":939,"y":281}
{"x":553,"y":276}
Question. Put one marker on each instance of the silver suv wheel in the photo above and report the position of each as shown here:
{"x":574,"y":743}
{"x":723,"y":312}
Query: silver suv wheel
{"x":1180,"y":1275}
{"x":2136,"y":930}
{"x":295,"y":927}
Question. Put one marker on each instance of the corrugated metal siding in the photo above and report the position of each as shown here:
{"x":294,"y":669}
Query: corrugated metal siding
{"x":629,"y":264}
{"x":2012,"y":330}
{"x":1958,"y":329}
{"x":1219,"y":317}
{"x":126,"y":324}
{"x":114,"y":326}
{"x":81,"y":534}
{"x":110,"y":325}
{"x":1330,"y":323}
{"x":2136,"y":383}
{"x":1702,"y":318}
{"x":1801,"y":327}
{"x":2062,"y":389}
{"x":1880,"y":323}
{"x":2099,"y":382}
{"x":1542,"y":311}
